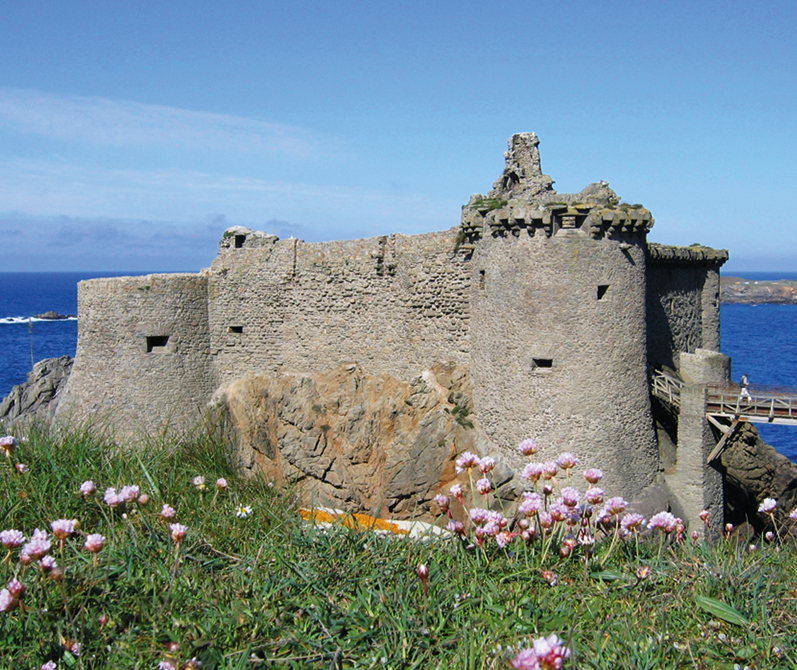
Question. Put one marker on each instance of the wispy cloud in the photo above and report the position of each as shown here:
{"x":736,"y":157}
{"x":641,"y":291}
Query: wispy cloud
{"x":129,"y":124}
{"x":49,"y":188}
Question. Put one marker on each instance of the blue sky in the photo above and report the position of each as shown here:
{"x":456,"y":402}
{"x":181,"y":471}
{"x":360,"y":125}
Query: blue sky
{"x":133,"y":133}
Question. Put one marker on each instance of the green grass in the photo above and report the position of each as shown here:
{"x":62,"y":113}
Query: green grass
{"x":270,"y":591}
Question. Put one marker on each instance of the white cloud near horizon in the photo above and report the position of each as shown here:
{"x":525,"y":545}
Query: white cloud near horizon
{"x":128,"y":124}
{"x":51,"y":188}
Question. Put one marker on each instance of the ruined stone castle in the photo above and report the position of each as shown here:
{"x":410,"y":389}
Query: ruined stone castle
{"x":362,"y":367}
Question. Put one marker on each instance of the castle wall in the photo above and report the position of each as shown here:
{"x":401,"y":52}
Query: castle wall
{"x":393,"y":304}
{"x":682,"y":301}
{"x":558,"y":351}
{"x":142,"y":358}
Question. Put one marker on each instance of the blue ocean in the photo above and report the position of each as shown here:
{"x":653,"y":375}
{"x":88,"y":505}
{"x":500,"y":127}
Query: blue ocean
{"x":761,"y":339}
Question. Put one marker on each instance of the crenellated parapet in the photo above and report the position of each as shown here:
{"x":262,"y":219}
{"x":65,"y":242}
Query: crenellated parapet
{"x":523,"y":202}
{"x":665,"y":255}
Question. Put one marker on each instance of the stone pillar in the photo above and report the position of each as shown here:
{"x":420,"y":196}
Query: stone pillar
{"x":696,"y":483}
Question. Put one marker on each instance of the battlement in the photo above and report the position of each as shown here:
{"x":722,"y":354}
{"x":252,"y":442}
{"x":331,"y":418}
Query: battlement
{"x":523,"y":201}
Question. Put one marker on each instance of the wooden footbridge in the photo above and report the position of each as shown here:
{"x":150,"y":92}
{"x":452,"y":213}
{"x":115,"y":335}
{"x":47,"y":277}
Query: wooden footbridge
{"x":727,"y":406}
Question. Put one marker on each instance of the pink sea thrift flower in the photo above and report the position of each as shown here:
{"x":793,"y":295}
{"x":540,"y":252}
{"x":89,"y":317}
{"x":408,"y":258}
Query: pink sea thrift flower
{"x":167,"y":512}
{"x":8,"y":444}
{"x":571,"y":496}
{"x":486,"y":464}
{"x":567,"y":460}
{"x":94,"y":543}
{"x":532,"y":471}
{"x":793,"y":515}
{"x":199,"y":482}
{"x":7,"y":601}
{"x":559,"y":511}
{"x":456,"y":491}
{"x":594,"y":496}
{"x":87,"y":488}
{"x":178,"y":532}
{"x":768,"y":506}
{"x":63,"y":528}
{"x":443,"y":502}
{"x":129,"y":493}
{"x":466,"y":461}
{"x":643,"y":572}
{"x":17,"y":589}
{"x":551,"y":652}
{"x":550,"y":469}
{"x":503,"y":538}
{"x":664,"y":521}
{"x":484,"y":486}
{"x":632,"y":522}
{"x":545,"y":519}
{"x":22,"y":468}
{"x":456,"y":527}
{"x":616,"y":506}
{"x":112,"y":498}
{"x":166,"y":665}
{"x":593,"y":475}
{"x":221,"y":483}
{"x":50,"y":665}
{"x":48,"y":563}
{"x":38,"y":546}
{"x":12,"y":539}
{"x":532,"y":503}
{"x":479,"y":515}
{"x":527,"y":447}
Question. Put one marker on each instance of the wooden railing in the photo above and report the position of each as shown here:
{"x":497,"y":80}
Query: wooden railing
{"x":761,"y":406}
{"x":666,"y":387}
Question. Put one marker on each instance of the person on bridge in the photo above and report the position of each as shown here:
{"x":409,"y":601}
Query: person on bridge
{"x":744,"y":393}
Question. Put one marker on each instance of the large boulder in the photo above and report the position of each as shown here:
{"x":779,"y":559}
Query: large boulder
{"x":754,"y":471}
{"x":354,"y":440}
{"x":36,"y":399}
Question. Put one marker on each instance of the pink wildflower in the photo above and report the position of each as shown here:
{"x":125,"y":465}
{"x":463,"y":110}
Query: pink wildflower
{"x":129,"y":493}
{"x":178,"y":532}
{"x":550,"y":469}
{"x":793,"y":515}
{"x":466,"y":461}
{"x":769,"y":536}
{"x":22,"y":468}
{"x":594,"y":496}
{"x":47,"y":563}
{"x":221,"y":483}
{"x":112,"y":498}
{"x":87,"y":488}
{"x":63,"y":528}
{"x":167,"y":512}
{"x":643,"y":572}
{"x":38,"y":546}
{"x":50,"y":665}
{"x":479,"y":515}
{"x":571,"y":496}
{"x":17,"y":589}
{"x":503,"y":538}
{"x":7,"y":601}
{"x":531,"y":504}
{"x":546,"y":520}
{"x":616,"y":506}
{"x":551,"y":652}
{"x":664,"y":521}
{"x":423,"y":574}
{"x":527,"y":447}
{"x":559,"y":511}
{"x":532,"y":471}
{"x":484,"y":486}
{"x":456,"y":527}
{"x":567,"y":460}
{"x":491,"y":528}
{"x":456,"y":491}
{"x":94,"y":542}
{"x":695,"y":536}
{"x":632,"y":522}
{"x":11,"y":539}
{"x":593,"y":475}
{"x":166,"y":665}
{"x":8,"y":444}
{"x":486,"y":464}
{"x":443,"y":502}
{"x":199,"y":482}
{"x":526,"y":660}
{"x":768,"y":506}
{"x":143,"y":500}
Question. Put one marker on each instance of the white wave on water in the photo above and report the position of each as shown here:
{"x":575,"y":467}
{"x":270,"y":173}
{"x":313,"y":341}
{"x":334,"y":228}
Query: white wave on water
{"x":32,"y":319}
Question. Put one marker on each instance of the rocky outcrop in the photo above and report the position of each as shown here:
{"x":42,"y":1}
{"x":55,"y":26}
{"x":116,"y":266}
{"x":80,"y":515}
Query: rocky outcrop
{"x":738,"y":290}
{"x":354,"y":440}
{"x":754,"y":471}
{"x":37,"y":398}
{"x":53,"y":316}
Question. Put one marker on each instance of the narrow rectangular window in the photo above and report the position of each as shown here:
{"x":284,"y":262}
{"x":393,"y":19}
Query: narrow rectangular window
{"x":481,"y":278}
{"x":235,"y":329}
{"x":239,"y":241}
{"x":543,"y":362}
{"x":157,"y":343}
{"x":602,"y":288}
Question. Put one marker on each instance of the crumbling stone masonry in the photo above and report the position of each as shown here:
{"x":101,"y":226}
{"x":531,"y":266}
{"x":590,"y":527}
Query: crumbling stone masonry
{"x":554,"y":305}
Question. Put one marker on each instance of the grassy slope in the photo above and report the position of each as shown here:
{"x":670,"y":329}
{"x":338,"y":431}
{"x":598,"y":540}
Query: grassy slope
{"x":269,"y":591}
